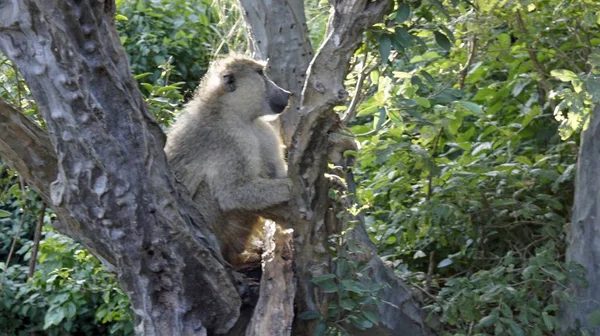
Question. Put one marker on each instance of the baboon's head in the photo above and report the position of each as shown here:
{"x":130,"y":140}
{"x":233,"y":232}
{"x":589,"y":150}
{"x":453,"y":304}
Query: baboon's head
{"x":242,"y":86}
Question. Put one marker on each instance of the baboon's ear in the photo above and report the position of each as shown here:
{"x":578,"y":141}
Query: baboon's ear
{"x":228,"y":82}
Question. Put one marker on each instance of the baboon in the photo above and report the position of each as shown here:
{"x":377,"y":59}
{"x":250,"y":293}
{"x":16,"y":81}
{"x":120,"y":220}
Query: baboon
{"x":228,"y":156}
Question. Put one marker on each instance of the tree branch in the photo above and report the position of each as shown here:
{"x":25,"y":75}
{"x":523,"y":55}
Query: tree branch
{"x":26,"y":148}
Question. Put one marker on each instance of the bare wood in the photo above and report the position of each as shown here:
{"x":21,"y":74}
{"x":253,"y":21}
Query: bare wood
{"x":274,"y":312}
{"x":36,"y":240}
{"x":26,"y":148}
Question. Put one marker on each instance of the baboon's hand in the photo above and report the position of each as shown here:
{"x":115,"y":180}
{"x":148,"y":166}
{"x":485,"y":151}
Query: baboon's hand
{"x":280,"y":214}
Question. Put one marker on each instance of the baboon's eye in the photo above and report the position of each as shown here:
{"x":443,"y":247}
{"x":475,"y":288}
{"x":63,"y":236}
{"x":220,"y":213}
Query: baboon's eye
{"x":261,"y":72}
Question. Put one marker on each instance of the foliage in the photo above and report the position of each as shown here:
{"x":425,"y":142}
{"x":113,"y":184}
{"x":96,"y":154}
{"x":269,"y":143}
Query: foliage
{"x":69,"y":293}
{"x":350,"y":300}
{"x":153,"y":31}
{"x":468,"y":184}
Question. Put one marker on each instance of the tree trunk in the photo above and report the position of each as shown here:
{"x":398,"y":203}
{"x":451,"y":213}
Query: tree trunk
{"x":584,"y":237}
{"x":115,"y":194}
{"x":113,"y":178}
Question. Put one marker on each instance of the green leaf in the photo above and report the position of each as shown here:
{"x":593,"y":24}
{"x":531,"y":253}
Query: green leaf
{"x":385,"y":46}
{"x":120,"y":17}
{"x":360,"y":322}
{"x":444,"y":263}
{"x":54,"y":317}
{"x":488,"y":320}
{"x":471,"y":107}
{"x":504,"y":41}
{"x":320,"y":329}
{"x":373,"y":317}
{"x":347,"y":304}
{"x":322,"y":278}
{"x":403,"y":12}
{"x":428,"y":56}
{"x":421,"y":101}
{"x":353,"y":286}
{"x":148,"y":87}
{"x":524,"y":160}
{"x":4,"y":213}
{"x":309,"y":315}
{"x":442,"y":40}
{"x":142,"y":75}
{"x":329,"y":286}
{"x":70,"y":309}
{"x":514,"y":328}
{"x":564,"y":75}
{"x":548,"y":321}
{"x":594,"y":318}
{"x":402,"y":37}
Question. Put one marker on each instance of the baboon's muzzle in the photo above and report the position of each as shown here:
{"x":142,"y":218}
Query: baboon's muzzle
{"x":278,"y":98}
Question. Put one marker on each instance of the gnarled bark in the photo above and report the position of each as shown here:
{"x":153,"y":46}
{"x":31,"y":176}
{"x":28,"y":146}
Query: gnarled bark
{"x":112,"y":174}
{"x":26,"y":148}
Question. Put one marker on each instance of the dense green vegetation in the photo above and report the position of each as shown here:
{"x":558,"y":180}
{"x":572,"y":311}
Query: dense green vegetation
{"x":469,"y":114}
{"x":467,"y":180}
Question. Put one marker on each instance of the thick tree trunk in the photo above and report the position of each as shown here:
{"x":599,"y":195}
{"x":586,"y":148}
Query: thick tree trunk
{"x":279,"y":34}
{"x":584,"y":233}
{"x":113,"y":178}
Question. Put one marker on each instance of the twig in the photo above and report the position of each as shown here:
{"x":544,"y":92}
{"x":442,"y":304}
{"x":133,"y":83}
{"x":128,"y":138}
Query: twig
{"x":16,"y":236}
{"x":431,"y":296}
{"x":545,"y":85}
{"x":19,"y":97}
{"x":465,"y":70}
{"x":429,"y":271}
{"x":351,"y":111}
{"x":430,"y":177}
{"x":567,"y":58}
{"x":369,"y":133}
{"x":36,"y":240}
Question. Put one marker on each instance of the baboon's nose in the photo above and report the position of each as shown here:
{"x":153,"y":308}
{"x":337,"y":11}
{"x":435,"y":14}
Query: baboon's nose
{"x":280,"y":102}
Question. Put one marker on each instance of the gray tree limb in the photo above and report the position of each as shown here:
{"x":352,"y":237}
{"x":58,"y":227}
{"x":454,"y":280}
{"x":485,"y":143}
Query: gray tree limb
{"x":26,"y":148}
{"x":583,"y":238}
{"x":112,"y":174}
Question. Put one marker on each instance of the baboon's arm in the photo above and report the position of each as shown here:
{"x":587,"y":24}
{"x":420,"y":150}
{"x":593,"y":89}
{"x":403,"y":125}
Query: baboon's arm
{"x":255,"y":196}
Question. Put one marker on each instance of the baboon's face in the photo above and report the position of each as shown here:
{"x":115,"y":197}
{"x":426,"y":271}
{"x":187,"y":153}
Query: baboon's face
{"x":248,"y":89}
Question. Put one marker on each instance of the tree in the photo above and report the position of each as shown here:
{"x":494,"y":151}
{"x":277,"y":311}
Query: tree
{"x":115,"y":194}
{"x":583,"y":244}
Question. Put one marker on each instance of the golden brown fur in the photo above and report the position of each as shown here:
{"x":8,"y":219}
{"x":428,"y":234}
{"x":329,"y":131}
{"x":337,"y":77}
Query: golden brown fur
{"x":228,"y":156}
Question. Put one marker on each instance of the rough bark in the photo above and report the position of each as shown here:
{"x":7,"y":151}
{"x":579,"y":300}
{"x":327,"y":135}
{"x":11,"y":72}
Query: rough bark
{"x":322,"y":90}
{"x":584,"y":236}
{"x":26,"y":148}
{"x":274,"y":311}
{"x":112,"y":174}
